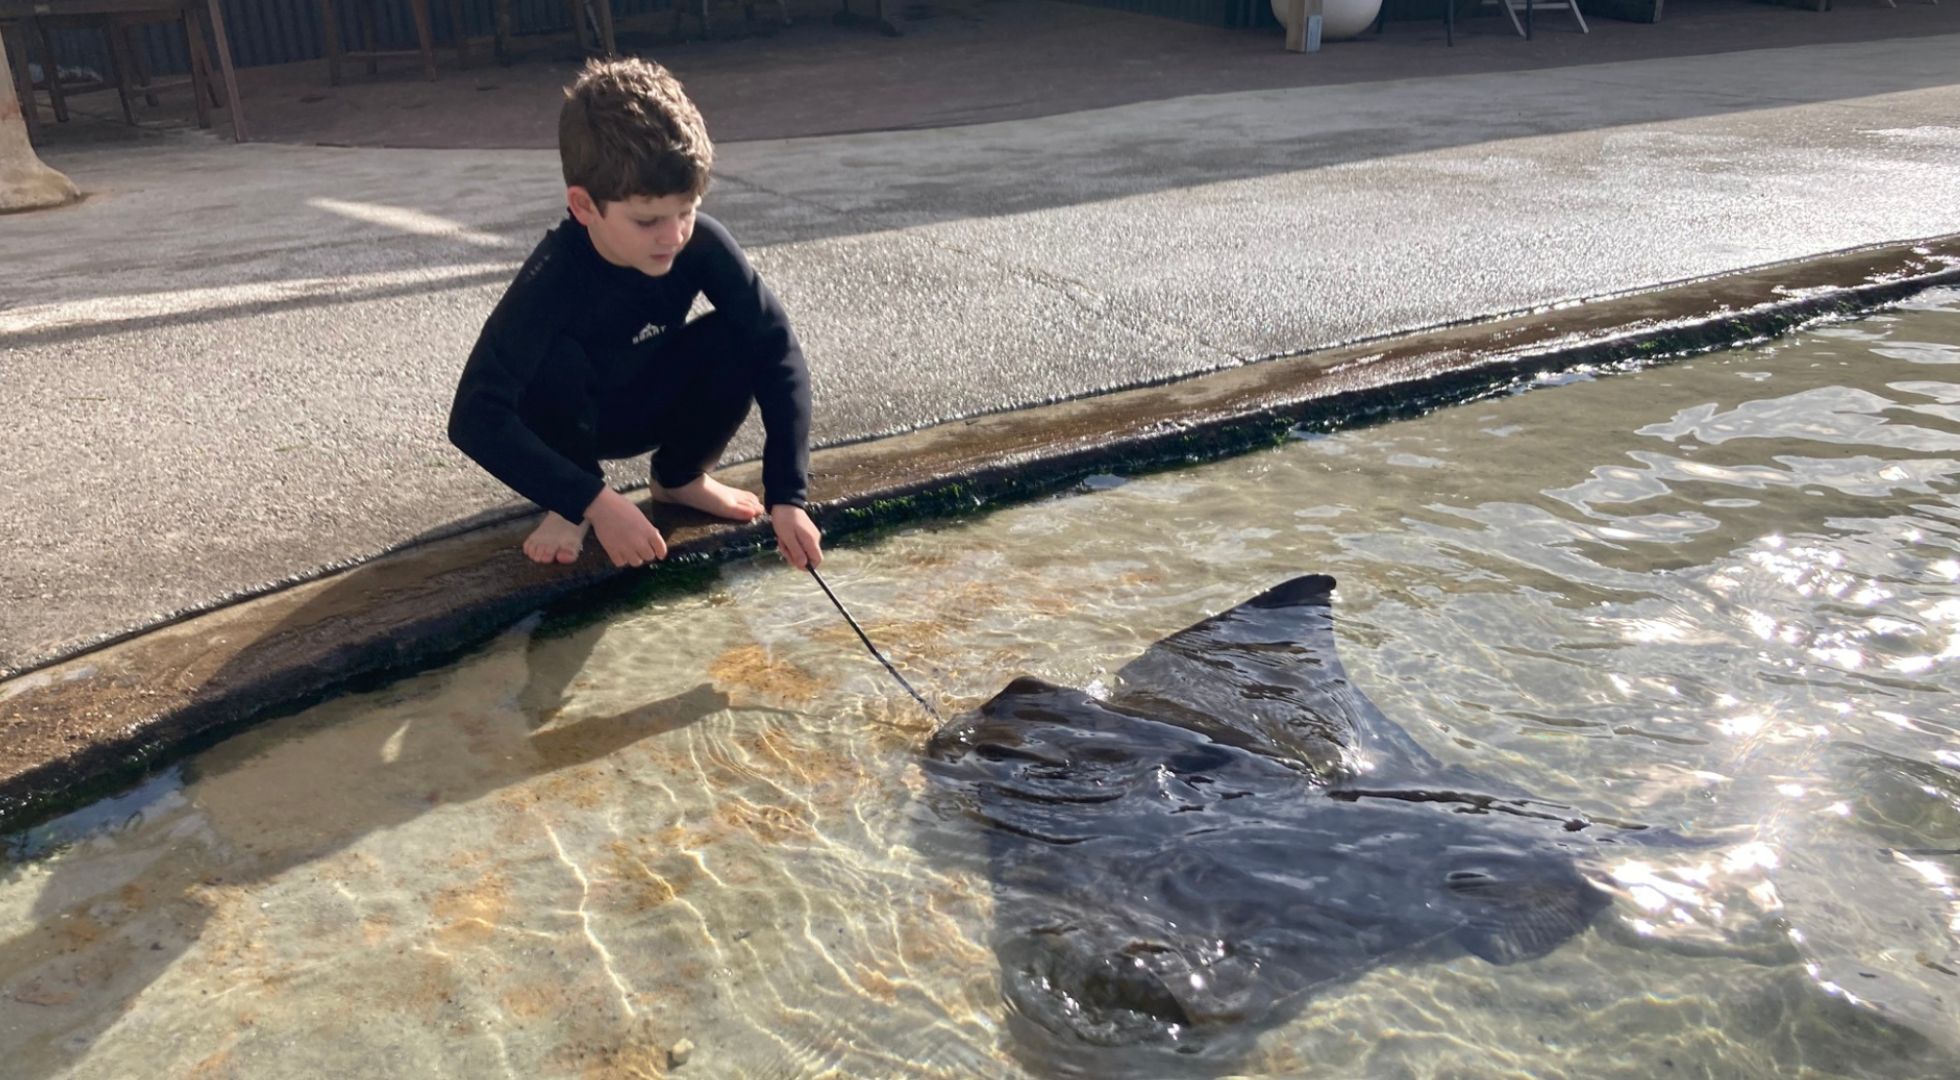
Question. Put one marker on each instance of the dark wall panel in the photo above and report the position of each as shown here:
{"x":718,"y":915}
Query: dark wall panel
{"x":284,"y":31}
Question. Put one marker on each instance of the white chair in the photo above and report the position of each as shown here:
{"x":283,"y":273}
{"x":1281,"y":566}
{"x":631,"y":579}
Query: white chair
{"x":1531,"y":7}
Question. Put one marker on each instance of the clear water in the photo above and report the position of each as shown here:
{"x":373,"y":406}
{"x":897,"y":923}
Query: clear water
{"x":1721,"y":596}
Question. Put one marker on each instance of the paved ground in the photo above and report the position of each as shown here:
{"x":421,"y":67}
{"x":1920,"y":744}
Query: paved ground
{"x":231,"y":364}
{"x":977,"y":61}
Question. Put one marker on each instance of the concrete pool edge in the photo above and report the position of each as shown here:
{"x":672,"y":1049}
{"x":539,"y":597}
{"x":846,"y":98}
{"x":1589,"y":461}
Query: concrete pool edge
{"x":76,"y":728}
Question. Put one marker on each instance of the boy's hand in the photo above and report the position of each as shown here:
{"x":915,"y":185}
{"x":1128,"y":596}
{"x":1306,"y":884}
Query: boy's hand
{"x":796,"y":536}
{"x":626,"y":534}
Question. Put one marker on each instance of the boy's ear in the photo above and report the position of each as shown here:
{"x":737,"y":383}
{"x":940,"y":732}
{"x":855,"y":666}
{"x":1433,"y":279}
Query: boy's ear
{"x":584,"y":207}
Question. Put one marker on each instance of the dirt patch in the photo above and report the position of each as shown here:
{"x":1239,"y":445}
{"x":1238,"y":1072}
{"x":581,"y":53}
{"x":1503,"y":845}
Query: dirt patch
{"x":757,"y":672}
{"x":469,"y":914}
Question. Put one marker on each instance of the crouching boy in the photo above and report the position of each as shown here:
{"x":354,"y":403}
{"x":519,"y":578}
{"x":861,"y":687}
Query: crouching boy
{"x":590,"y":354}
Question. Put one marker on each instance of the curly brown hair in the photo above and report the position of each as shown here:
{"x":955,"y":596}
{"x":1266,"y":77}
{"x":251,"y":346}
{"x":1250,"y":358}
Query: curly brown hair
{"x":627,"y":128}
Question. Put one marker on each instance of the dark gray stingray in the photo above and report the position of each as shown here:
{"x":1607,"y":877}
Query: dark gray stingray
{"x":1235,"y":826}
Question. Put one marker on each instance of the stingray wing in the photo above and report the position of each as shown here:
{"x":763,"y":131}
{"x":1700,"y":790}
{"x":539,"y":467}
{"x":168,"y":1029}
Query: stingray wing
{"x":1165,"y":878}
{"x":1265,"y":676}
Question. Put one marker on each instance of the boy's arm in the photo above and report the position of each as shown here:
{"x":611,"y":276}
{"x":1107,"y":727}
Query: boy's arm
{"x":782,"y":390}
{"x":484,"y":421}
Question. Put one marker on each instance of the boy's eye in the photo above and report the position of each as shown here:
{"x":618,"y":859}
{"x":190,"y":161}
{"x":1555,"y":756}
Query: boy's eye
{"x":650,"y":223}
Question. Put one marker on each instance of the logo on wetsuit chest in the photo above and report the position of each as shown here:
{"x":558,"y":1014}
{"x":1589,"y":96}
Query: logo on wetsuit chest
{"x":648,"y":333}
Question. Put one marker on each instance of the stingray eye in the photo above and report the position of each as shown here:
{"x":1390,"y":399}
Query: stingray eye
{"x":1467,"y":879}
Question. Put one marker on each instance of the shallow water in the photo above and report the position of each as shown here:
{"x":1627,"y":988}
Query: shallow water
{"x":1721,"y":596}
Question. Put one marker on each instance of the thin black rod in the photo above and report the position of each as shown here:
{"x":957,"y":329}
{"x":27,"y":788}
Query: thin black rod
{"x":867,"y":644}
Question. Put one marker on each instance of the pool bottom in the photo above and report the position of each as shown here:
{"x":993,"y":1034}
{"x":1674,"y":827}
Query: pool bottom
{"x":1718,"y":597}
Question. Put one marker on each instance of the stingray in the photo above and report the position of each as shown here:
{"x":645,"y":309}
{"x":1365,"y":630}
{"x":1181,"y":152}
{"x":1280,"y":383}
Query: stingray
{"x":1179,"y":865}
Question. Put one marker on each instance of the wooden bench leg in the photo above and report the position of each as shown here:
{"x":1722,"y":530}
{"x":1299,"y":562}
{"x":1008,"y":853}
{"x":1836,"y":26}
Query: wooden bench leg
{"x":51,"y":71}
{"x":365,"y":9}
{"x":425,"y":35}
{"x":462,"y":35}
{"x":16,"y":45}
{"x":119,"y":68}
{"x":215,"y":19}
{"x":605,"y":12}
{"x":330,"y":34}
{"x":200,"y":61}
{"x":211,"y":83}
{"x":134,"y":57}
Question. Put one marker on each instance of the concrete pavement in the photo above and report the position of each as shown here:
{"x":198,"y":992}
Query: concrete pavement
{"x":231,"y":365}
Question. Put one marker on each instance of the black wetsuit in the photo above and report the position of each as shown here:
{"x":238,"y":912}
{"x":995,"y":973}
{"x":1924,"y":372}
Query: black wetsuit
{"x":583,"y":360}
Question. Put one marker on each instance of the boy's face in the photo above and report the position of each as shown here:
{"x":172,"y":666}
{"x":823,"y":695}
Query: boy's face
{"x":641,"y":232}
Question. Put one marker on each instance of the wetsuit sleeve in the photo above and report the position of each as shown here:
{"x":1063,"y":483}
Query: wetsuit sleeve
{"x":782,"y":381}
{"x":484,"y":419}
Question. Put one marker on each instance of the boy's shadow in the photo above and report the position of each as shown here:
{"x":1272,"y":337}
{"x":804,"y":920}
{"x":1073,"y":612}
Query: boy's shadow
{"x":144,"y":873}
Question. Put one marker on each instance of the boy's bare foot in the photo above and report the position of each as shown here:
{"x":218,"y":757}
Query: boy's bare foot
{"x":555,"y":540}
{"x":711,"y":496}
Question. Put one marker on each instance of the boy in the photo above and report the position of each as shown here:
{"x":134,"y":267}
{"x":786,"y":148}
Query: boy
{"x":589,"y":354}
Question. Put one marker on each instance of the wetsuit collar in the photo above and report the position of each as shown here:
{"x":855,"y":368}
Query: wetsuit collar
{"x":579,"y":239}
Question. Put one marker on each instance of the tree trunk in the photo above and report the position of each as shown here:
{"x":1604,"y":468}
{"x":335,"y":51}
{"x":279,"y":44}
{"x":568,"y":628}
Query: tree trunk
{"x":25,"y":183}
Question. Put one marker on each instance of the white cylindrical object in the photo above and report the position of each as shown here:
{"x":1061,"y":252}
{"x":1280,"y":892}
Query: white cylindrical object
{"x":1339,"y":18}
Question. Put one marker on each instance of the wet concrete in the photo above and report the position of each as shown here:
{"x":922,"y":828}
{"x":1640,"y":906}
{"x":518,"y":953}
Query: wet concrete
{"x":71,"y":729}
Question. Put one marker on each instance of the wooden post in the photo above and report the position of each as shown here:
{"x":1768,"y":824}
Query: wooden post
{"x":215,"y":17}
{"x":462,"y":38}
{"x":16,"y":50}
{"x":25,"y":183}
{"x":330,"y":37}
{"x":425,"y":35}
